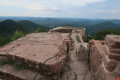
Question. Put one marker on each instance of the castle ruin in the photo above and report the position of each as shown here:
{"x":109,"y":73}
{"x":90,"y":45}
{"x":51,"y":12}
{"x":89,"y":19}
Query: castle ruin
{"x":48,"y":53}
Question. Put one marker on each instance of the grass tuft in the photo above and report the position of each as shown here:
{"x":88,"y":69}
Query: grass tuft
{"x":78,"y":39}
{"x":15,"y":64}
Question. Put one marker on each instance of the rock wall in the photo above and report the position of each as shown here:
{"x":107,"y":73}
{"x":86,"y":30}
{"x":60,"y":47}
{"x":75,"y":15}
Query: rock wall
{"x":102,"y":56}
{"x":40,"y":52}
{"x":105,"y":58}
{"x":83,"y":52}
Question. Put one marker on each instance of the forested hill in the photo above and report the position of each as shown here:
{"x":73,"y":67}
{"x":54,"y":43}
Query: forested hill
{"x":8,"y":27}
{"x":102,"y":26}
{"x":92,"y":25}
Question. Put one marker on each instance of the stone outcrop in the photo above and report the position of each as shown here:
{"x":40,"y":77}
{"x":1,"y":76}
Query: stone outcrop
{"x":49,"y":52}
{"x":83,"y":52}
{"x":46,"y":52}
{"x":66,"y":29}
{"x":105,"y":58}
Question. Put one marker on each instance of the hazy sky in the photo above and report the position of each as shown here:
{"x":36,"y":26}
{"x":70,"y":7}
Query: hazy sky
{"x":107,"y":9}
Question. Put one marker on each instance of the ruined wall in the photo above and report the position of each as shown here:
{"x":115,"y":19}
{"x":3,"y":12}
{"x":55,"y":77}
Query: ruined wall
{"x":105,"y":58}
{"x":81,"y":47}
{"x":83,"y":52}
{"x":62,"y":29}
{"x":40,"y":52}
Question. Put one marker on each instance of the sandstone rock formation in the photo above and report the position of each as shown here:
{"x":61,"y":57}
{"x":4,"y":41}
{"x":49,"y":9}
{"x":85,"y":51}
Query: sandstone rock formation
{"x":105,"y":58}
{"x":62,"y":47}
{"x":42,"y":51}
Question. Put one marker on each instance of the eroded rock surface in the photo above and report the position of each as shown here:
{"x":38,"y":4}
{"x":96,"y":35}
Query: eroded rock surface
{"x":42,"y":51}
{"x":104,"y":58}
{"x":62,"y":50}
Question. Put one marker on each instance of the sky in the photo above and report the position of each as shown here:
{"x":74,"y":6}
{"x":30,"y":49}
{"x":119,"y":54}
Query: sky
{"x":103,"y":9}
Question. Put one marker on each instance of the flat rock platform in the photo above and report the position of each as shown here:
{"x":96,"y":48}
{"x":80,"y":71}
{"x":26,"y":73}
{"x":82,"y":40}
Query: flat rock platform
{"x":44,"y":51}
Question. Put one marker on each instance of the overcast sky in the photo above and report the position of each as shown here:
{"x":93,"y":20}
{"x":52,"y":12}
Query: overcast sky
{"x":105,"y":9}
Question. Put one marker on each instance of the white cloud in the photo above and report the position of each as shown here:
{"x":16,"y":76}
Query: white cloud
{"x":46,"y":5}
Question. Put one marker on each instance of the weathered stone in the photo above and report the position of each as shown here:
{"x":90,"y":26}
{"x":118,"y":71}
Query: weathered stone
{"x":7,"y":72}
{"x":62,"y":29}
{"x":113,"y":41}
{"x":36,"y":49}
{"x":105,"y":57}
{"x":83,"y":52}
{"x":114,"y":56}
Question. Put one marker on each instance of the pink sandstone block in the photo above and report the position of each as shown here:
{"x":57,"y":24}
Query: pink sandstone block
{"x":34,"y":49}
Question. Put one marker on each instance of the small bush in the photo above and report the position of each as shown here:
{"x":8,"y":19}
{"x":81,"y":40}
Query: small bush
{"x":63,"y":71}
{"x":78,"y":39}
{"x":40,"y":30}
{"x":20,"y":67}
{"x":5,"y":61}
{"x":75,"y":76}
{"x":15,"y":64}
{"x":17,"y":35}
{"x":68,"y":57}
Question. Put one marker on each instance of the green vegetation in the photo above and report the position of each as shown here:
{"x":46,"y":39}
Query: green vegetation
{"x":75,"y":76}
{"x":87,"y":38}
{"x":63,"y":71}
{"x":17,"y":34}
{"x":11,"y":30}
{"x":101,"y":35}
{"x":68,"y":57}
{"x":102,"y":26}
{"x":40,"y":30}
{"x":95,"y":28}
{"x":5,"y":61}
{"x":20,"y":67}
{"x":16,"y":65}
{"x":78,"y":39}
{"x":4,"y":40}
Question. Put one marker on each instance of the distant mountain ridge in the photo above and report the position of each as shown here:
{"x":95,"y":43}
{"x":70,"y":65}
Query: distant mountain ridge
{"x":102,"y":26}
{"x":91,"y":25}
{"x":62,"y":21}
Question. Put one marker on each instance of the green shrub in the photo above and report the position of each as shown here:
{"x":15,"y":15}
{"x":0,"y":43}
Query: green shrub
{"x":17,"y":34}
{"x":78,"y":39}
{"x":40,"y":30}
{"x":75,"y":76}
{"x":63,"y":71}
{"x":20,"y":67}
{"x":68,"y":57}
{"x":87,"y":38}
{"x":16,"y":65}
{"x":5,"y":61}
{"x":101,"y":34}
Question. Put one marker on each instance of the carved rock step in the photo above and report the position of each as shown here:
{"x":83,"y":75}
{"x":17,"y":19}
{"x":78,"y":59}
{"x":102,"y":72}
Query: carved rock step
{"x":117,"y":45}
{"x":114,"y":56}
{"x":9,"y":73}
{"x":115,"y":51}
{"x":33,"y":50}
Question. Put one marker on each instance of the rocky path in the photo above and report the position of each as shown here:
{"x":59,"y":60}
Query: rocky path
{"x":78,"y":69}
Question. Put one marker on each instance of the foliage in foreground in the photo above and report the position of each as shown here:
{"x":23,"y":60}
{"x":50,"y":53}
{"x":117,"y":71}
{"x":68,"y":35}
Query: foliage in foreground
{"x":15,"y":64}
{"x":17,"y":34}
